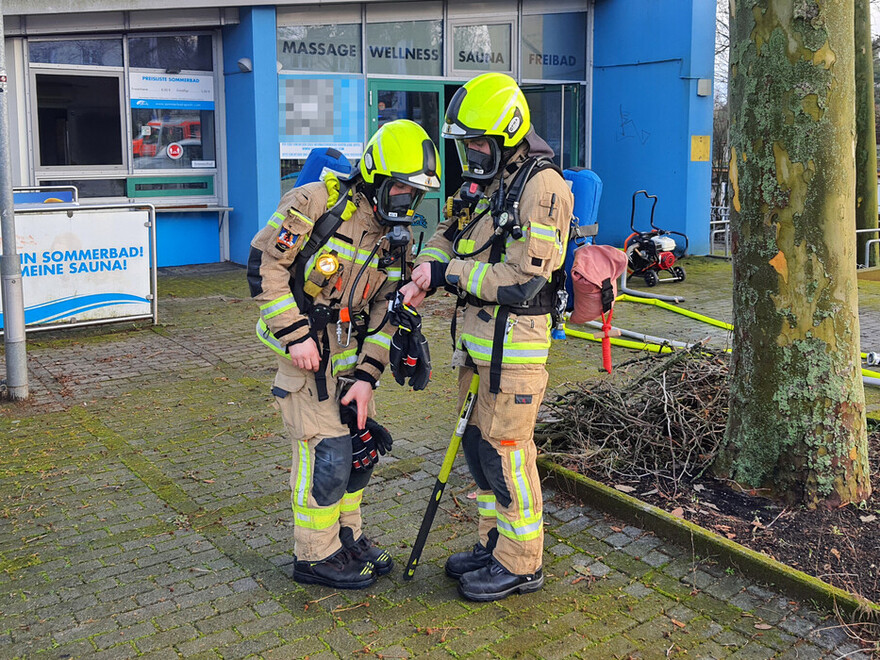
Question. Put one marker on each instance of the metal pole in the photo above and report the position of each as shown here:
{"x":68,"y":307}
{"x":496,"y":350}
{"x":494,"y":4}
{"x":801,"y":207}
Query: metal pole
{"x":10,"y":262}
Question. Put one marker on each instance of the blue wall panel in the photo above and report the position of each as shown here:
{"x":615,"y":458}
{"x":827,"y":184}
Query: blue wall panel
{"x":186,"y":238}
{"x":254,"y":178}
{"x":648,"y":55}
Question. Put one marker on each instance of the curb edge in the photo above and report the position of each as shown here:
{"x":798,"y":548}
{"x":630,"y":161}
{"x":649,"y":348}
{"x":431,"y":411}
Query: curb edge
{"x":750,"y":563}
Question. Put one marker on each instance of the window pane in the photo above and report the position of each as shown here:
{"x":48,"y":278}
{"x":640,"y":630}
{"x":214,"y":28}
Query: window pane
{"x":183,"y":53}
{"x":553,"y":46}
{"x":79,"y":119}
{"x":333,"y":48}
{"x":168,"y":139}
{"x":93,"y":52}
{"x":93,"y":187}
{"x":481,"y":47}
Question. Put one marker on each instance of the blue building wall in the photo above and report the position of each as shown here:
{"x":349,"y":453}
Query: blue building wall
{"x":648,"y":56}
{"x":186,"y":238}
{"x":254,"y":178}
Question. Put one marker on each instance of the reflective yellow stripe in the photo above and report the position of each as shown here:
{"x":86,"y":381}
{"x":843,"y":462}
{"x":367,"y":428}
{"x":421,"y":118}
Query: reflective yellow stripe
{"x":351,"y":501}
{"x":315,"y":518}
{"x":475,"y":279}
{"x":466,"y":245}
{"x":275,"y":216}
{"x":528,"y":525}
{"x":512,"y":353}
{"x":277,"y":306}
{"x":343,"y":361}
{"x":296,"y":214}
{"x":542,"y":232}
{"x":436,"y":254}
{"x":486,"y":505}
{"x":380,"y":339}
{"x":265,"y":335}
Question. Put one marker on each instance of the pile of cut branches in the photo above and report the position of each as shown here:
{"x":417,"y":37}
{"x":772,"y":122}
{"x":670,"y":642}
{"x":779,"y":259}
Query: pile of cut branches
{"x":665,"y":422}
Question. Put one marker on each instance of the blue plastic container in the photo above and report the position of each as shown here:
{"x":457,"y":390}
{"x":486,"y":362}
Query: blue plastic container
{"x":587,"y":189}
{"x":317,"y":160}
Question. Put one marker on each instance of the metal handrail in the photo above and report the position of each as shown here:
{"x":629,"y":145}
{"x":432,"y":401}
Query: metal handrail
{"x":154,"y":277}
{"x":719,"y":226}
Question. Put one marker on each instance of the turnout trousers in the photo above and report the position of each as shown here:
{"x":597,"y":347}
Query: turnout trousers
{"x":325,"y":492}
{"x":499,"y":446}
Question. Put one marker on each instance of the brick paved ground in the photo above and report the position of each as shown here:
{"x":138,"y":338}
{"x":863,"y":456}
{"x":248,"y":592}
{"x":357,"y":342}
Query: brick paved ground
{"x":144,"y":511}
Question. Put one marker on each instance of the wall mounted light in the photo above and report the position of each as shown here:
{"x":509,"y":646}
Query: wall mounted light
{"x":245,"y":65}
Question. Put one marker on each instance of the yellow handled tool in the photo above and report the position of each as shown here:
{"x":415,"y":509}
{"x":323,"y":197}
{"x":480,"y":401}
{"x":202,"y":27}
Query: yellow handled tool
{"x":454,"y":443}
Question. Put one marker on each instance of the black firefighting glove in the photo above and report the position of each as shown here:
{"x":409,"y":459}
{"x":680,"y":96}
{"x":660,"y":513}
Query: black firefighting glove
{"x":366,"y":443}
{"x":409,"y":356}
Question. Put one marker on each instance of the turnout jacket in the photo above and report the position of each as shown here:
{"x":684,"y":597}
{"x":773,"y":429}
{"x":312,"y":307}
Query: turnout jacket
{"x":515,"y":277}
{"x":270,"y":275}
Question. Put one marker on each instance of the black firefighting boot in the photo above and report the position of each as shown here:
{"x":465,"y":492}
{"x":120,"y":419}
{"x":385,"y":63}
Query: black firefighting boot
{"x":365,"y":550}
{"x":494,"y":582}
{"x":465,"y":562}
{"x":340,"y":571}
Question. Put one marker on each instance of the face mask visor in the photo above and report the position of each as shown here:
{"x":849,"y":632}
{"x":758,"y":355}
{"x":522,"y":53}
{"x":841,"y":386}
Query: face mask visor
{"x":477,"y":165}
{"x":397,"y":209}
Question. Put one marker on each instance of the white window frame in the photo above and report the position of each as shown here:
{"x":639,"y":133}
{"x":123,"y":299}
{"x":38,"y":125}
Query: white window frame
{"x":40,"y":173}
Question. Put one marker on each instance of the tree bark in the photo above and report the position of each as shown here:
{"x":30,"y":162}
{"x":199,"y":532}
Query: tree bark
{"x":797,"y":408}
{"x":866,"y":134}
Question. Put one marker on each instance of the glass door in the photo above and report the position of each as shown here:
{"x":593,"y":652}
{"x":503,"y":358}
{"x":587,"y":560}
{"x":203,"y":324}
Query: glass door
{"x":557,"y":116}
{"x":422,"y":102}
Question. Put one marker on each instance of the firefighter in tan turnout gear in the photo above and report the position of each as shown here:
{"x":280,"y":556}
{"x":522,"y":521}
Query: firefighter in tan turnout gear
{"x":504,"y":236}
{"x":323,"y":271}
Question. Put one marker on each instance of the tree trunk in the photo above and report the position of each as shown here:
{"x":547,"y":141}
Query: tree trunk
{"x":866,"y":134}
{"x":797,"y":406}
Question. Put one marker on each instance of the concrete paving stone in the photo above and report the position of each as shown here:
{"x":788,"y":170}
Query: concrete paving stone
{"x":518,"y":644}
{"x":797,"y":625}
{"x":709,"y":651}
{"x":745,"y":601}
{"x":469,"y":642}
{"x":561,"y":550}
{"x":341,"y":641}
{"x":179,"y":617}
{"x":618,"y":540}
{"x":203,"y":596}
{"x":84,"y":630}
{"x":803,"y":651}
{"x":727,"y":587}
{"x":852,"y":652}
{"x":166,"y":638}
{"x":129,"y":612}
{"x":762,"y":592}
{"x":80,"y":649}
{"x":121,"y":652}
{"x":649,"y":607}
{"x":123,"y":635}
{"x":730,"y":639}
{"x":641,"y":547}
{"x":656,"y":559}
{"x":248,"y":648}
{"x":598,"y":569}
{"x":633,"y":532}
{"x":774,"y":610}
{"x":753,"y":651}
{"x":828,"y":635}
{"x":698,"y":579}
{"x":559,"y":649}
{"x":226,"y":620}
{"x":616,"y":647}
{"x":638,"y":590}
{"x":581,"y":524}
